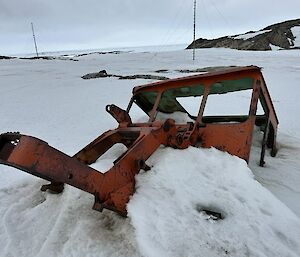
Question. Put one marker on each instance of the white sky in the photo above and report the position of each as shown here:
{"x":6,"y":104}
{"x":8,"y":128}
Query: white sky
{"x":92,"y":24}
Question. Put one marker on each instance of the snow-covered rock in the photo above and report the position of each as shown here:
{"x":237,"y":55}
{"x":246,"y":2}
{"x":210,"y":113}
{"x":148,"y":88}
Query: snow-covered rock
{"x":284,"y":35}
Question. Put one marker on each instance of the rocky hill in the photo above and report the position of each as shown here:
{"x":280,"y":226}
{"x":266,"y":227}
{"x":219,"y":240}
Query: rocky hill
{"x":284,"y":35}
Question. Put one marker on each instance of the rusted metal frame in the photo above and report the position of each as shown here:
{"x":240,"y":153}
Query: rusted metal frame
{"x":271,"y":141}
{"x":192,"y":80}
{"x":273,"y":116}
{"x":112,"y":189}
{"x":264,"y":143}
{"x":142,"y":132}
{"x":207,"y":81}
{"x":130,"y":104}
{"x":36,"y":157}
{"x":203,"y":103}
{"x":255,"y":97}
{"x":273,"y":119}
{"x":153,"y":112}
{"x":253,"y":109}
{"x":268,"y":98}
{"x":90,"y":153}
{"x":138,"y":152}
{"x":235,"y":128}
{"x":268,"y":139}
{"x":119,"y":181}
{"x":187,"y":132}
{"x":192,"y":135}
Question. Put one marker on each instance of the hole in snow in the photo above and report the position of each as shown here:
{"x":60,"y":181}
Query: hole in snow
{"x":210,"y":213}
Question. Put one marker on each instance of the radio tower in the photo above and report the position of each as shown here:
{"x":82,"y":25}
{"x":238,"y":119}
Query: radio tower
{"x":36,"y":50}
{"x":194,"y":42}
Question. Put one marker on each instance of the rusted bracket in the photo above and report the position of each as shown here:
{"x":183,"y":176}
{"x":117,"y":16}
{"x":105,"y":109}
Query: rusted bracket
{"x":120,"y":115}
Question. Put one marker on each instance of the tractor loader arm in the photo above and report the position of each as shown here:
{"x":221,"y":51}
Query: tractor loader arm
{"x":113,"y":188}
{"x":36,"y":157}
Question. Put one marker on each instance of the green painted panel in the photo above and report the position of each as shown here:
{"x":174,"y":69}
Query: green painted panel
{"x":168,"y":102}
{"x":146,"y":100}
{"x":227,"y":86}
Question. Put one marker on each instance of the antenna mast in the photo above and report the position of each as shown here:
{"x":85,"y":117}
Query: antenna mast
{"x":194,"y":42}
{"x":36,"y":50}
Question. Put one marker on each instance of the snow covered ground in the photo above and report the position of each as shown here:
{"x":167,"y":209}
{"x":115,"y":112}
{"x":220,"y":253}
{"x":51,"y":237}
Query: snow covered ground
{"x":261,"y":206}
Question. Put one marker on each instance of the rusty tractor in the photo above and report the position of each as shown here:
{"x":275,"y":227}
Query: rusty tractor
{"x":112,"y":189}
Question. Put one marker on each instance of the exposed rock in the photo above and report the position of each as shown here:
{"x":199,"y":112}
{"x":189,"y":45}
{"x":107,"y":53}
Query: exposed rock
{"x":143,"y":77}
{"x":94,"y":75}
{"x":3,"y":57}
{"x":162,"y":71}
{"x":104,"y":74}
{"x":279,"y":35}
{"x":38,"y":58}
{"x":48,"y":58}
{"x":207,"y":69}
{"x":109,"y":52}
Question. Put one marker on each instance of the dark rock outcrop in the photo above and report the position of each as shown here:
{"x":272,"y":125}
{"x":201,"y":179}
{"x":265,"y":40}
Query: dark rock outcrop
{"x":3,"y":57}
{"x":104,"y":74}
{"x":101,"y":53}
{"x":278,"y":35}
{"x":94,"y":75}
{"x":143,"y":76}
{"x":48,"y":58}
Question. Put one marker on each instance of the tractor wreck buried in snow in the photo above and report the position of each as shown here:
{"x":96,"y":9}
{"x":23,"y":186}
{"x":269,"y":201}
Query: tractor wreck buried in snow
{"x":112,"y":189}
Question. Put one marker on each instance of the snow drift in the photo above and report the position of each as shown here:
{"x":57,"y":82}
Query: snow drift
{"x":166,"y":208}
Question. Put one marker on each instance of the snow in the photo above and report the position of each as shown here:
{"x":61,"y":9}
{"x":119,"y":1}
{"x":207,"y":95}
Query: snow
{"x":179,"y":117}
{"x":49,"y":100}
{"x":221,"y":183}
{"x":296,"y":33}
{"x":251,"y":35}
{"x":276,"y":48}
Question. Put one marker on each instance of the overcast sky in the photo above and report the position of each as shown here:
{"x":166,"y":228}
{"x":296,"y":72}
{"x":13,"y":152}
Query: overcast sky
{"x":92,"y":24}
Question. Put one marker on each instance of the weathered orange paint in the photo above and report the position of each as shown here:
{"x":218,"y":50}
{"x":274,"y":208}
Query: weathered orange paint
{"x":113,"y":188}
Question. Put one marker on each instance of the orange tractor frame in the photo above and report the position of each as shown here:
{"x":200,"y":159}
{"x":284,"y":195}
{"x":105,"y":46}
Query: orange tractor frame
{"x":112,"y":189}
